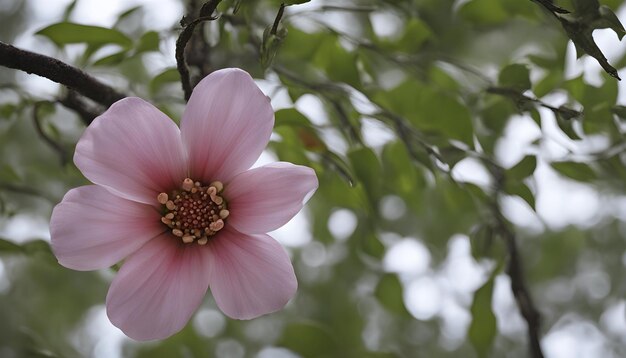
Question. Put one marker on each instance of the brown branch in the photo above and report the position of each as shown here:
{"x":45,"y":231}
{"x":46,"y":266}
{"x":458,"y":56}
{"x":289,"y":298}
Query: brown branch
{"x":279,"y":16}
{"x":551,"y":7}
{"x":59,"y":72}
{"x":185,"y":35}
{"x":520,"y":290}
{"x":514,"y":267}
{"x":86,"y":111}
{"x":521,"y":99}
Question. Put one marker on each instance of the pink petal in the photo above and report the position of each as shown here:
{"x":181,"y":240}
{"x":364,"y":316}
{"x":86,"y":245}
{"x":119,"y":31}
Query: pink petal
{"x":92,"y":228}
{"x":264,"y":199}
{"x":250,"y":275}
{"x":134,"y":150}
{"x":158,"y":288}
{"x":226,"y":125}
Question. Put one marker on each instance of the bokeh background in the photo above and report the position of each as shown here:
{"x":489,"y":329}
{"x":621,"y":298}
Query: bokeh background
{"x":432,"y":124}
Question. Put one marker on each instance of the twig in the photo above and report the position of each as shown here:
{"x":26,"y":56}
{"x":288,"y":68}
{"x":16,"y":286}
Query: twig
{"x":59,"y":72}
{"x":514,"y":267}
{"x":279,"y":16}
{"x":185,"y":35}
{"x":51,"y":142}
{"x":519,"y":98}
{"x":85,"y":111}
{"x":551,"y":7}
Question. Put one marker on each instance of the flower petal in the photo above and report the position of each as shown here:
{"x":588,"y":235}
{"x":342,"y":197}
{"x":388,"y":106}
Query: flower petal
{"x":265,"y":198}
{"x":226,"y":125}
{"x":250,"y":275}
{"x":134,"y":150}
{"x":92,"y":228}
{"x":158,"y":288}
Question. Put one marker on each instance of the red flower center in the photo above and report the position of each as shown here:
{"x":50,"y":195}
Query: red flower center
{"x":195,"y":212}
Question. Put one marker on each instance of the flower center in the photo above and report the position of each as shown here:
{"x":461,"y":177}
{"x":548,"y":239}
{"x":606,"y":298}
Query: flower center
{"x":194,"y":212}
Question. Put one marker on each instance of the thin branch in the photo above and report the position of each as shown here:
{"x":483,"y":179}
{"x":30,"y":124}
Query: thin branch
{"x":59,"y":72}
{"x":551,"y":7}
{"x":279,"y":16}
{"x":519,"y":98}
{"x":85,"y":111}
{"x":185,"y":35}
{"x":58,"y":148}
{"x":514,"y":267}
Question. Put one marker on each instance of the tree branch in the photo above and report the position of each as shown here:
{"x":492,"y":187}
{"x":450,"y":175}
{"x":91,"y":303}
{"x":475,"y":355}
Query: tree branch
{"x":85,"y":111}
{"x":514,"y":267}
{"x":185,"y":35}
{"x":59,"y":72}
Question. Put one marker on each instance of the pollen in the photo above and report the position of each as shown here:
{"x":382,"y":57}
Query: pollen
{"x":195,"y":212}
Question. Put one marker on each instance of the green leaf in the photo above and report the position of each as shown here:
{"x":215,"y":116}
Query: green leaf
{"x":148,"y":42}
{"x":608,"y":19}
{"x":429,"y":110}
{"x":523,"y":169}
{"x":111,"y":60}
{"x":484,"y":12}
{"x":69,"y":9}
{"x":167,"y":76}
{"x":337,"y":62}
{"x":367,"y":169}
{"x":64,"y":33}
{"x":309,"y":340}
{"x":290,"y":117}
{"x":515,"y":76}
{"x":7,"y":246}
{"x":482,"y":330}
{"x":389,"y":294}
{"x":416,"y":33}
{"x":577,"y":171}
{"x":522,"y":190}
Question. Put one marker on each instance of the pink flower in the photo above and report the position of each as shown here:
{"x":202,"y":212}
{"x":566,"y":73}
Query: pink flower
{"x":183,"y":208}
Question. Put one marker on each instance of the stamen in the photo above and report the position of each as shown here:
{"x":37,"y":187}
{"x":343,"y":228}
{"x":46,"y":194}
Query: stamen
{"x":187,"y":184}
{"x":218,"y":185}
{"x":224,"y":213}
{"x":162,"y":198}
{"x":194,"y":212}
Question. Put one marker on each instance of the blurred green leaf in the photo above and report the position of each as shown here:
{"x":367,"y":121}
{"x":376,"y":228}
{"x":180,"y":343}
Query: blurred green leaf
{"x":308,"y":339}
{"x":577,"y":171}
{"x":389,"y":294}
{"x":525,"y":167}
{"x":482,"y":330}
{"x":367,"y":169}
{"x":339,"y":64}
{"x":64,"y":33}
{"x":111,"y":60}
{"x":429,"y":110}
{"x":149,"y":41}
{"x":515,"y":76}
{"x":7,"y":246}
{"x":167,"y":76}
{"x":522,"y":190}
{"x":484,"y":12}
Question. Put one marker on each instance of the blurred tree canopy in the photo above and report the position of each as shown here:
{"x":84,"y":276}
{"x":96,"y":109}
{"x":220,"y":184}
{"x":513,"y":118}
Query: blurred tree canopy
{"x":470,"y":153}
